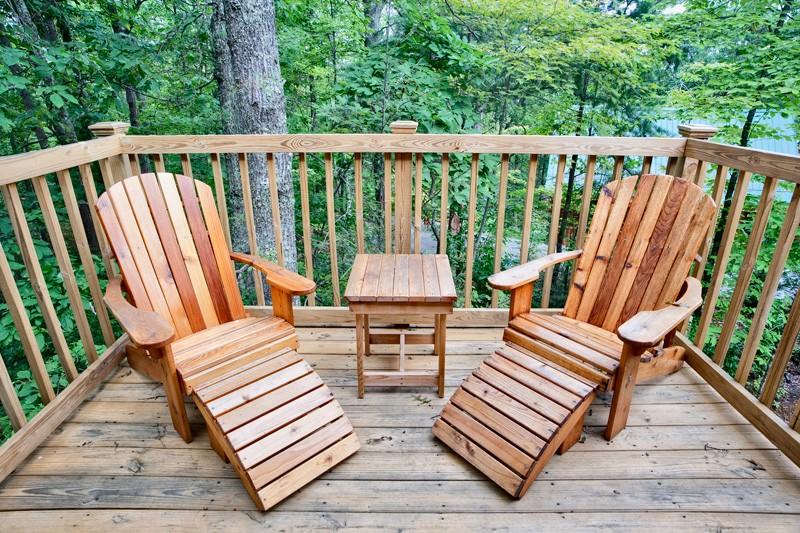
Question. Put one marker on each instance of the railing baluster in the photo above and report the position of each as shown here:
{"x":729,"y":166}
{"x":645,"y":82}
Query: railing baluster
{"x":134,"y":164}
{"x":359,"y":192}
{"x":85,"y":254}
{"x":586,"y":200}
{"x":89,"y":188}
{"x":275,"y":207}
{"x":24,"y":329}
{"x":533,"y":162}
{"x":304,"y":206}
{"x":64,"y":264}
{"x":332,"y":228}
{"x":777,"y":369}
{"x":784,"y":246}
{"x":219,"y":190}
{"x":619,"y":166}
{"x":8,"y":397}
{"x":249,"y":218}
{"x":554,"y":220}
{"x":107,"y":172}
{"x":158,"y":162}
{"x":501,"y":219}
{"x":647,"y":162}
{"x":23,"y":234}
{"x":721,"y":263}
{"x":186,"y":165}
{"x":746,"y":270}
{"x":716,"y":193}
{"x":444,"y":207}
{"x":387,"y":201}
{"x":473,"y":200}
{"x":127,"y":170}
{"x":418,"y":205}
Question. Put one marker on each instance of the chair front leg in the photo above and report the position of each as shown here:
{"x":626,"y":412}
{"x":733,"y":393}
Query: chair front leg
{"x":175,"y":400}
{"x":624,"y":383}
{"x":520,"y":300}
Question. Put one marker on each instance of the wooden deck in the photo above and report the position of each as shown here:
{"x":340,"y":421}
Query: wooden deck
{"x":687,"y":461}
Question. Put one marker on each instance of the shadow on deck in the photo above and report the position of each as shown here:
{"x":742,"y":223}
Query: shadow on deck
{"x":687,"y":460}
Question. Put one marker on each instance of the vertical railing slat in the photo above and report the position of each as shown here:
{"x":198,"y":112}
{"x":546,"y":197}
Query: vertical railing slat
{"x":65,"y":265}
{"x":387,"y":201}
{"x":777,"y":369}
{"x":158,"y":162}
{"x":302,"y":166}
{"x":527,"y":215}
{"x":249,"y":218}
{"x":275,"y":207}
{"x":723,"y":255}
{"x":554,"y":221}
{"x":586,"y":200}
{"x":9,"y":400}
{"x":418,"y":205}
{"x":134,"y":164}
{"x":444,"y":206}
{"x":716,"y":193}
{"x":186,"y":165}
{"x":501,"y":219}
{"x":30,"y":347}
{"x":90,"y":189}
{"x":85,"y":254}
{"x":332,"y":228}
{"x":770,"y":288}
{"x":359,"y":192}
{"x":745,"y":270}
{"x":219,"y":191}
{"x":647,"y":162}
{"x":619,"y":166}
{"x":19,"y":224}
{"x":473,"y":200}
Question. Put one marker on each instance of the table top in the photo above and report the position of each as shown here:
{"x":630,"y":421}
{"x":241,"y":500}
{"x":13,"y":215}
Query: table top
{"x":400,"y":278}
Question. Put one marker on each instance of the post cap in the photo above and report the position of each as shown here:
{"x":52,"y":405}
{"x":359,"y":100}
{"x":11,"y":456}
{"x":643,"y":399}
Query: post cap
{"x":105,"y":129}
{"x":697,"y":131}
{"x":404,"y":126}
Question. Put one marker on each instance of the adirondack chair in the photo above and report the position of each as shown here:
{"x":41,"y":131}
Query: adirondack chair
{"x":266,"y":410}
{"x":528,"y":400}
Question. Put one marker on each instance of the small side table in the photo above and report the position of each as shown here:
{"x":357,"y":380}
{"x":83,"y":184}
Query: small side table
{"x":401,"y":285}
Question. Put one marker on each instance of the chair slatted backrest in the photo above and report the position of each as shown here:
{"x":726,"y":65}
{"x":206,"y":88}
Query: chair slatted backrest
{"x":166,"y":235}
{"x":642,"y":240}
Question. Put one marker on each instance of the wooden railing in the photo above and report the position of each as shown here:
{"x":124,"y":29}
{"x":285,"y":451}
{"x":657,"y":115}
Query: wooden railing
{"x":82,"y":169}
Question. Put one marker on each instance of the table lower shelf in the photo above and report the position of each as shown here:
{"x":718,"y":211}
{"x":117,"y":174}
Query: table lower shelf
{"x":401,"y":378}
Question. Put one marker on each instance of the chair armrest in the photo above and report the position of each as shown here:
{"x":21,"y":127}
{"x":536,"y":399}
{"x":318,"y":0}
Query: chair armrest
{"x":285,"y":280}
{"x":528,"y":272}
{"x":146,"y":329}
{"x":648,"y":328}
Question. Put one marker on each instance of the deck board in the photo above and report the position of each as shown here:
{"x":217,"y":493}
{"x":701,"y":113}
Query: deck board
{"x":687,"y":461}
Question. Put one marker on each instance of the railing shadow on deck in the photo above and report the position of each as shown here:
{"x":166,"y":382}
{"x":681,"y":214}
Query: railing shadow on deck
{"x":453,"y":166}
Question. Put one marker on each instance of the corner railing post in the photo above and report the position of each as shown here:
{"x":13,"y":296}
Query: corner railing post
{"x":689,"y":167}
{"x":402,"y":190}
{"x":118,"y":166}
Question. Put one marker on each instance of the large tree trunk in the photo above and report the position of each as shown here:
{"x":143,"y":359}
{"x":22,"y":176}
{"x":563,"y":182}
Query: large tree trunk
{"x":253,"y":103}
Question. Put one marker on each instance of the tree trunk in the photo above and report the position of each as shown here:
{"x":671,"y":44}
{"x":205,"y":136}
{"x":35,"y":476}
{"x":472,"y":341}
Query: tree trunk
{"x":254,"y":103}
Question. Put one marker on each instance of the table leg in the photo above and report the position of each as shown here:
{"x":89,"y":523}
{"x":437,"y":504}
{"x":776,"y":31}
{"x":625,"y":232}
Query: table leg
{"x":440,"y":337}
{"x":360,"y":343}
{"x":366,"y":335}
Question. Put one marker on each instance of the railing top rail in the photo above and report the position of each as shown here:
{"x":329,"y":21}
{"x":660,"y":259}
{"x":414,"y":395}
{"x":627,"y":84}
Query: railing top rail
{"x":773,"y":164}
{"x":412,"y":143}
{"x":14,"y":168}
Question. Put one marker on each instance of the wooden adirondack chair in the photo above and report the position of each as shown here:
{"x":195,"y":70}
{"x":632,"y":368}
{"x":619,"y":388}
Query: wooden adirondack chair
{"x":629,"y":293}
{"x":266,"y":410}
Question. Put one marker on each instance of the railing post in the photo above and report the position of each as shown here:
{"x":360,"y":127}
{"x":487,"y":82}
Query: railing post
{"x":402,"y":190}
{"x":119,"y":166}
{"x":689,"y":167}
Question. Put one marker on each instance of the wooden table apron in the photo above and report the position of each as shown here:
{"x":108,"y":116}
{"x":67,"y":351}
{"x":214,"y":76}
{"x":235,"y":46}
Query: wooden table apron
{"x":400,"y":285}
